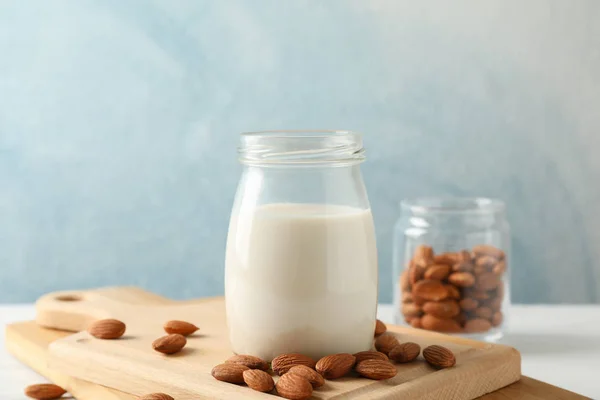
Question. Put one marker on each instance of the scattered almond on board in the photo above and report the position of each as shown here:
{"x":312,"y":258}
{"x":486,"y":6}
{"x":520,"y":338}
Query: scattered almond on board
{"x":299,"y":374}
{"x":249,"y":361}
{"x":376,"y":369}
{"x":315,"y":378}
{"x":368,"y":355}
{"x":156,"y":396}
{"x":282,"y":363}
{"x":336,"y":365}
{"x":107,"y":329}
{"x":258,"y":380}
{"x":180,"y":327}
{"x":294,"y":387}
{"x":380,"y":328}
{"x":229,"y":372}
{"x":439,"y":357}
{"x":405,"y":352}
{"x":385,"y":343}
{"x":169,"y":344}
{"x":44,"y":391}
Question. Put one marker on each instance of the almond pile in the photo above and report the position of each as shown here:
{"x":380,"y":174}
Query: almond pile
{"x":454,"y":292}
{"x":299,"y":375}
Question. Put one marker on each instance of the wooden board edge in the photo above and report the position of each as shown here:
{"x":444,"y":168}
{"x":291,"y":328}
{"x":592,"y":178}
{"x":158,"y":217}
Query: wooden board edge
{"x":529,"y":388}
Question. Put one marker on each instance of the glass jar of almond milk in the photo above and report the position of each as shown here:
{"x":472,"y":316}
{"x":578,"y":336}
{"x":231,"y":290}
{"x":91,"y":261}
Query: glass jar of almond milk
{"x":301,"y":261}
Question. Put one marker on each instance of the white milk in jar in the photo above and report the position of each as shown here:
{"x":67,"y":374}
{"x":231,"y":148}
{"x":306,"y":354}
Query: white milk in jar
{"x":301,"y":277}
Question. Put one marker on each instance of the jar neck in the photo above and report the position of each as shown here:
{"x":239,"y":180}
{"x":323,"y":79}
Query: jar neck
{"x":301,"y":148}
{"x":310,"y":184}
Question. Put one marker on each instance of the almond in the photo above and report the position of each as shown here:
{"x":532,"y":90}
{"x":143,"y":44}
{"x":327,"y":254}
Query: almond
{"x":415,"y":274}
{"x":295,"y":387}
{"x":156,"y":396}
{"x":464,"y":256}
{"x":385,"y":343}
{"x":380,"y":327}
{"x":486,"y":262}
{"x":370,"y":355}
{"x":477,"y":325}
{"x":478,"y":270}
{"x":282,"y":363}
{"x":463,"y":267}
{"x":488,"y":281}
{"x":438,"y":272}
{"x":411,"y":310}
{"x":416,"y":323}
{"x":433,"y":323}
{"x":487,"y":250}
{"x":229,"y":372}
{"x":484,"y":312}
{"x":336,"y":365}
{"x":418,"y":301}
{"x":430,"y":290}
{"x":423,"y":256}
{"x":407,"y":297}
{"x":478,"y":294}
{"x":500,"y":291}
{"x":107,"y":329}
{"x":376,"y":369}
{"x":461,"y":318}
{"x":315,"y":379}
{"x":500,"y":268}
{"x":495,"y":303}
{"x":464,"y":263}
{"x":462,"y":279}
{"x":44,"y":391}
{"x":405,"y":352}
{"x":442,"y":309}
{"x":453,"y":292}
{"x":404,"y":282}
{"x":169,"y":344}
{"x":181,"y":327}
{"x":468,"y":304}
{"x":497,"y":318}
{"x":439,"y":357}
{"x":249,"y":361}
{"x":258,"y":380}
{"x":445,"y":258}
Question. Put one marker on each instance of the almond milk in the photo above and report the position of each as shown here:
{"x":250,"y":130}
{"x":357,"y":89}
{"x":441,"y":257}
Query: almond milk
{"x":301,"y":278}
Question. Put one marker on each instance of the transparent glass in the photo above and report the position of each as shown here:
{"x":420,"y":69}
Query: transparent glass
{"x":301,"y":260}
{"x":451,"y":259}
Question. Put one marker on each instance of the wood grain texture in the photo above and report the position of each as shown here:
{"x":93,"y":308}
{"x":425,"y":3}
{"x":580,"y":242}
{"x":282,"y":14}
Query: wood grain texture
{"x":481,"y":367}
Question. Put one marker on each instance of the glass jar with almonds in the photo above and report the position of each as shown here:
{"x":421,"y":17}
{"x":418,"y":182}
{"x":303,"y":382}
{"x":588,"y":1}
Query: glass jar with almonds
{"x":451,"y":259}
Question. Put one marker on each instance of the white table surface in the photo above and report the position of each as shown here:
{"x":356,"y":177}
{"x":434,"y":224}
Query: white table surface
{"x":559,"y":345}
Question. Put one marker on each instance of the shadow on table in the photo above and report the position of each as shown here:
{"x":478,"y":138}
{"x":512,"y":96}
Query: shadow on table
{"x":548,"y":343}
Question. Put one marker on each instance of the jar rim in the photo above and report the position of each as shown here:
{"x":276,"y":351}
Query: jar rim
{"x":300,"y":133}
{"x":283,"y":147}
{"x":452,"y":205}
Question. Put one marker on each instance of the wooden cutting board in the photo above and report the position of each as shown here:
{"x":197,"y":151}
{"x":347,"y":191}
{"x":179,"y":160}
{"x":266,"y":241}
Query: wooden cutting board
{"x":129,"y":364}
{"x":29,"y":342}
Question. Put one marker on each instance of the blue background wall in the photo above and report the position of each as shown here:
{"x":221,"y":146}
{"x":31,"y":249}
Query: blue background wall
{"x":119,"y":122}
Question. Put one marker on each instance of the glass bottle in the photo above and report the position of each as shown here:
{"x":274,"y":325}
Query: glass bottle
{"x":301,"y":260}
